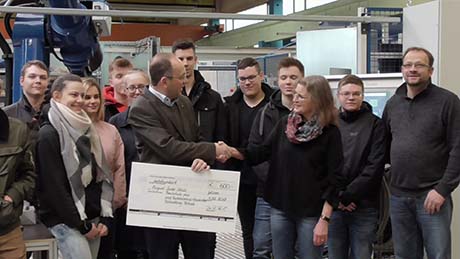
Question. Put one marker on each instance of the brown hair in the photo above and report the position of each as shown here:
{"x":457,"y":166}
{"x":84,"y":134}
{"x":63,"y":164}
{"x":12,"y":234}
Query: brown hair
{"x":350,"y":79}
{"x":248,"y":62}
{"x":37,"y":63}
{"x":89,"y":82}
{"x":291,"y":62}
{"x":183,"y":44}
{"x":321,"y":96}
{"x":160,"y":66}
{"x":427,"y":53}
{"x":60,"y":83}
{"x":119,"y":62}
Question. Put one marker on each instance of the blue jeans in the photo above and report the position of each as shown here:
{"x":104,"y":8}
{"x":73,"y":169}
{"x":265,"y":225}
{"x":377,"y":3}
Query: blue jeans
{"x":351,"y":234}
{"x":262,"y":234}
{"x":286,"y":229}
{"x":413,"y":228}
{"x":73,"y":245}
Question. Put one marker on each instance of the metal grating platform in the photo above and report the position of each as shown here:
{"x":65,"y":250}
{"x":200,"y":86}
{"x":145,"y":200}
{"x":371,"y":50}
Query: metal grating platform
{"x":229,"y":246}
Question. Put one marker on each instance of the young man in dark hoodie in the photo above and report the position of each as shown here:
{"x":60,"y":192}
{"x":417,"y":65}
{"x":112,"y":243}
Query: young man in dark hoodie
{"x":290,"y":71}
{"x":353,"y":225}
{"x":242,"y":107}
{"x":207,"y":103}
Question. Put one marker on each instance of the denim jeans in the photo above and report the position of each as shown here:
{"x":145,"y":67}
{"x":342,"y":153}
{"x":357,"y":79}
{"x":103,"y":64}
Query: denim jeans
{"x":262,"y":235}
{"x":286,"y":229}
{"x":414,"y":229}
{"x":72,"y":244}
{"x":351,"y":234}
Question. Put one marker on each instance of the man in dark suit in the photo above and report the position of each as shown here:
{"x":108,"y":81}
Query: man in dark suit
{"x":167,"y":133}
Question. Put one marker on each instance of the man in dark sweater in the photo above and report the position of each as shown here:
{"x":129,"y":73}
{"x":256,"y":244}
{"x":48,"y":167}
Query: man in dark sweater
{"x":207,"y":103}
{"x":423,"y":122}
{"x":242,"y":108}
{"x":290,"y":71}
{"x":353,"y":226}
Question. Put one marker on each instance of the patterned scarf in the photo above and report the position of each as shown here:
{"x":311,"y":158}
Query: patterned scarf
{"x":82,"y":153}
{"x":298,"y":130}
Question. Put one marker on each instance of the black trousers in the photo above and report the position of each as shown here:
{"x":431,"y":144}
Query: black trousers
{"x":247,"y":199}
{"x":164,"y":244}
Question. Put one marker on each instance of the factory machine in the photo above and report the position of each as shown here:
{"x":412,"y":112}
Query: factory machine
{"x":38,"y":36}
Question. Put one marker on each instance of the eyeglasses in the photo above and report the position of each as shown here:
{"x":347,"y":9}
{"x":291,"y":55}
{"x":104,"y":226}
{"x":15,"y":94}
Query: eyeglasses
{"x":416,"y":65}
{"x":300,"y":97}
{"x":134,"y":88}
{"x":348,"y":94}
{"x":249,"y":78}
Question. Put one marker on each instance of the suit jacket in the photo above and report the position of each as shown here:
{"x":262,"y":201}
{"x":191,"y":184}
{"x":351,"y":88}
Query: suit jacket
{"x":168,"y":135}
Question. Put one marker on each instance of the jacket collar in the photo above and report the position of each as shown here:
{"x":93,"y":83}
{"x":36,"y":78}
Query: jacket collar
{"x":352,"y":116}
{"x":4,"y":126}
{"x":198,"y":88}
{"x":402,"y":90}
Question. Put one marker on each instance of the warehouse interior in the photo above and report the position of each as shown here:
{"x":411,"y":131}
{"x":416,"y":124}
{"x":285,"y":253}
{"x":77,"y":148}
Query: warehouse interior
{"x":331,"y":38}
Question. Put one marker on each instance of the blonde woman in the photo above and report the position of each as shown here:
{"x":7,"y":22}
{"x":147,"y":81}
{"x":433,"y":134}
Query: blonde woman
{"x":113,"y":151}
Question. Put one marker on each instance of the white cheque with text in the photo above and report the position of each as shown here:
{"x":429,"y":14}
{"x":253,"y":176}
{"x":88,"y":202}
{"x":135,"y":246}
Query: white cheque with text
{"x":175,"y":197}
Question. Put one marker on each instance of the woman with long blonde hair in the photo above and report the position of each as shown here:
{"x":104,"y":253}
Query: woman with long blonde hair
{"x":113,"y":151}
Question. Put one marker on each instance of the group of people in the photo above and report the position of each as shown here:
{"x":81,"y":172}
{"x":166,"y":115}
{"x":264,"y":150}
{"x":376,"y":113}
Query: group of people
{"x":310,"y":172}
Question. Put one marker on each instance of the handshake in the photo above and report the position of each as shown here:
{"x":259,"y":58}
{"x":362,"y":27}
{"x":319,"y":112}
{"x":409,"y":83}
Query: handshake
{"x":225,"y":152}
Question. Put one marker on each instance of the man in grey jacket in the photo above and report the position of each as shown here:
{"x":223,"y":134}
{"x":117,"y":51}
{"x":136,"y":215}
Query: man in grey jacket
{"x":423,"y":123}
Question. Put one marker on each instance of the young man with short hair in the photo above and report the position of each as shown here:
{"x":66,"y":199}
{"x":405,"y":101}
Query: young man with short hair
{"x":242,"y":108}
{"x":207,"y":103}
{"x":353,"y":225}
{"x":115,"y":96}
{"x":34,"y":83}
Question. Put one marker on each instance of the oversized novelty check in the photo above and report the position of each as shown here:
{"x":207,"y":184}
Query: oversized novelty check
{"x":175,"y":197}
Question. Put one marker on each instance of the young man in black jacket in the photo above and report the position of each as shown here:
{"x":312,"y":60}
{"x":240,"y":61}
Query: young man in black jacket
{"x":207,"y":103}
{"x":242,"y":108}
{"x":290,"y":71}
{"x":34,"y":83}
{"x":353,"y":226}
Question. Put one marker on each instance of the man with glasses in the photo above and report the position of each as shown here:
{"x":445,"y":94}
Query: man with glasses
{"x":423,"y":125}
{"x":353,"y":225}
{"x":242,"y":108}
{"x":207,"y":103}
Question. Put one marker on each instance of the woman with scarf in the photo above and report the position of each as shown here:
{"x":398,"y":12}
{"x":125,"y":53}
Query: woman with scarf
{"x":75,"y":182}
{"x":305,"y":154}
{"x":114,"y":155}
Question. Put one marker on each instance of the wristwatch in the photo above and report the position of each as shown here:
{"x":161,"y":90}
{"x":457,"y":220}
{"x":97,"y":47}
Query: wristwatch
{"x":325,"y":218}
